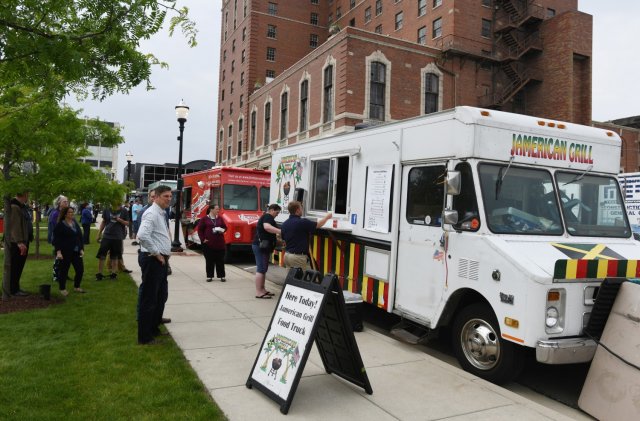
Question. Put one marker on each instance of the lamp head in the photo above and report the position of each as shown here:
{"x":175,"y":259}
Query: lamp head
{"x":182,"y":111}
{"x":129,"y":156}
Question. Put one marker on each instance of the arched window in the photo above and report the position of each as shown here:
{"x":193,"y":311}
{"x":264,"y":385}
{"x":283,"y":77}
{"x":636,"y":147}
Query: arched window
{"x":431,"y":92}
{"x":327,"y":83}
{"x":284,"y":105}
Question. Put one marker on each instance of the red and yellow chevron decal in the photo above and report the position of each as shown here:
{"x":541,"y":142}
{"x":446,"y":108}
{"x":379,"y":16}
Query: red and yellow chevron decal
{"x":596,"y":269}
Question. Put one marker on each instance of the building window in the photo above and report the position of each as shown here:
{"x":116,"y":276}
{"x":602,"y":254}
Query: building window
{"x":437,"y":28}
{"x":284,"y":104}
{"x":224,"y":56}
{"x":230,"y":133}
{"x":377,"y":88}
{"x":431,"y":87}
{"x":267,"y":123}
{"x":486,"y":3}
{"x":241,"y":100}
{"x":486,"y":28}
{"x":304,"y":104}
{"x":222,"y":95}
{"x":271,"y":31}
{"x":271,"y":54}
{"x":422,"y":35}
{"x":231,"y":88}
{"x":352,"y":4}
{"x":221,"y":136}
{"x":551,"y":12}
{"x":314,"y":18}
{"x":220,"y":155}
{"x":313,"y":40}
{"x":328,"y":94}
{"x":330,"y":19}
{"x":231,"y":109}
{"x":229,"y":151}
{"x":252,"y":144}
{"x":242,"y":79}
{"x":378,"y":29}
{"x":338,"y":13}
{"x":224,"y":74}
{"x":314,"y":1}
{"x":233,"y":66}
{"x":422,"y":7}
{"x":273,"y":9}
{"x":437,"y":3}
{"x":240,"y":124}
{"x":399,"y":17}
{"x":244,"y":34}
{"x":367,"y":15}
{"x":243,"y":56}
{"x":221,"y":114}
{"x":244,"y":7}
{"x":378,"y":7}
{"x":270,"y":73}
{"x":233,"y":46}
{"x":352,"y":22}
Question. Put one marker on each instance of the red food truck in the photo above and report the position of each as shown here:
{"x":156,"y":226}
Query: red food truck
{"x":241,"y":193}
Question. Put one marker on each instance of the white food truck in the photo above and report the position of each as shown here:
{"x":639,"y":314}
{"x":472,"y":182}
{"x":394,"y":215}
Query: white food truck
{"x":500,"y":226}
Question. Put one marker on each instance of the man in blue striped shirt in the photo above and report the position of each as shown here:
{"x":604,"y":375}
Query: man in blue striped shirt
{"x":155,"y":247}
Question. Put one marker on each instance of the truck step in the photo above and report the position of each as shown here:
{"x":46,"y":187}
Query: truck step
{"x":412,"y":333}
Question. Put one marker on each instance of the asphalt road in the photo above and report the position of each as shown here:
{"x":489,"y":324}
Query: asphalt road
{"x":554,"y":386}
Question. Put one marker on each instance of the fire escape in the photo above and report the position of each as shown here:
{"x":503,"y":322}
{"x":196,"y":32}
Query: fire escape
{"x":517,"y":42}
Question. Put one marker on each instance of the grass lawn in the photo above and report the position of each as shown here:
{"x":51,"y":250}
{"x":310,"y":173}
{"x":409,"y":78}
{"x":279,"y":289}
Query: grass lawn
{"x":80,"y":360}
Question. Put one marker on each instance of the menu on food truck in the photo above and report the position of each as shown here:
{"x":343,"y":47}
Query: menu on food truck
{"x":378,"y":198}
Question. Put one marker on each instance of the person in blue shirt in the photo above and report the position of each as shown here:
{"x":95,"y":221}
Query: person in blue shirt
{"x":295,"y":233}
{"x":86,"y":219}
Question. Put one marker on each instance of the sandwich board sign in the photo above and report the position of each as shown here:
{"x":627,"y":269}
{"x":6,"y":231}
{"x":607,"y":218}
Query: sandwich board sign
{"x":309,"y":309}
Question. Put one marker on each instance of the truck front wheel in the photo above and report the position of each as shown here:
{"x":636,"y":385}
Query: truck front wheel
{"x":479,"y":347}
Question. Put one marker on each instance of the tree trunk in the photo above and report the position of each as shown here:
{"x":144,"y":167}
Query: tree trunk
{"x":6,"y":273}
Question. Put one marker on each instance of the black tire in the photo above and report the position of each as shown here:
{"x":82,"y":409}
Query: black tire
{"x":479,"y":347}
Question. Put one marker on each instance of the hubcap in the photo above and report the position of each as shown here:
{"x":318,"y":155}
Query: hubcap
{"x":480,"y":344}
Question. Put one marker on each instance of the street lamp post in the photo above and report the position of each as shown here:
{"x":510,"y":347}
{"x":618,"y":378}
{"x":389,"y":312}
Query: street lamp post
{"x":129,"y":157}
{"x":182,"y":111}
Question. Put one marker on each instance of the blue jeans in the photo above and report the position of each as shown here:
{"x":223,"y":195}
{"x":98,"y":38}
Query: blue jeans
{"x":262,"y":259}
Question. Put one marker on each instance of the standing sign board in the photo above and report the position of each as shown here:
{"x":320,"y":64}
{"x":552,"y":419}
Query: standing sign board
{"x":309,"y":309}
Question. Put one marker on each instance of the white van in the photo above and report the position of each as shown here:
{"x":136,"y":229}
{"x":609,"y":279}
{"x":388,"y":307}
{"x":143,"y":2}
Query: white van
{"x":501,"y":226}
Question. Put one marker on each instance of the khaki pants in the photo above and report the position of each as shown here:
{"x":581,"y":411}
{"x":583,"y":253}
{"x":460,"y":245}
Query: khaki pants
{"x":296,"y":261}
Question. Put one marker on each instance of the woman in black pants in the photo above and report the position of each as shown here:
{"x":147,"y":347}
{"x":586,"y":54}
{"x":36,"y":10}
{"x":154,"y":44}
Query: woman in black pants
{"x":211,"y":230}
{"x":69,"y":247}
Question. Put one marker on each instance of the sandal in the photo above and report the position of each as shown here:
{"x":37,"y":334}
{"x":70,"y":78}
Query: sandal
{"x":270,"y":293}
{"x":64,"y":292}
{"x":264,"y":296}
{"x":80,"y":290}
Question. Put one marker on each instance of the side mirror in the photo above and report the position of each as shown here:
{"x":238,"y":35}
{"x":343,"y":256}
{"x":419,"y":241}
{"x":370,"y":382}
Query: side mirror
{"x":453,"y":182}
{"x":450,"y":217}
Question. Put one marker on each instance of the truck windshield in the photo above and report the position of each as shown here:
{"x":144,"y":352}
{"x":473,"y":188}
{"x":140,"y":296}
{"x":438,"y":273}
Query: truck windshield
{"x":523,"y":202}
{"x":238,"y":197}
{"x":592,"y":206}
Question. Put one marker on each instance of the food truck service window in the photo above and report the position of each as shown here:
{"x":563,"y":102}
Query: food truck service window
{"x":330,"y":181}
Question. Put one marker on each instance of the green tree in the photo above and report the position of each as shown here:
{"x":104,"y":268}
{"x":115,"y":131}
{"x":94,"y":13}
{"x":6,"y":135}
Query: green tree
{"x":89,"y":47}
{"x":40,"y":144}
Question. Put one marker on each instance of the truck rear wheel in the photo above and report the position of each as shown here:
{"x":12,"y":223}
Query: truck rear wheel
{"x":480,"y":348}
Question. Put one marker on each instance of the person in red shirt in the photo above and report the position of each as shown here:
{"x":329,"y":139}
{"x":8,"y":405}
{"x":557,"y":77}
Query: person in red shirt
{"x":211,"y":230}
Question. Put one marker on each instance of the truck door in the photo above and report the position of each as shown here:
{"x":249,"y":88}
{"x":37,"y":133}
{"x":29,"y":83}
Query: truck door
{"x":421,"y":260}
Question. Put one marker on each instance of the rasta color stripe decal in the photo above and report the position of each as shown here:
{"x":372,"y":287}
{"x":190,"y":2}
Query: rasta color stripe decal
{"x":347,"y":261}
{"x":596,"y":269}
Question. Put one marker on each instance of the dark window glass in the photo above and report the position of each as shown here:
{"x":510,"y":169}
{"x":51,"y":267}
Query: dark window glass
{"x":304,"y":90}
{"x":425,"y":195}
{"x":240,"y":197}
{"x":284,"y":104}
{"x":328,"y":94}
{"x":377,"y":89}
{"x":431,"y":87}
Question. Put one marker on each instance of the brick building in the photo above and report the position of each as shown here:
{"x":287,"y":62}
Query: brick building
{"x":293,"y":71}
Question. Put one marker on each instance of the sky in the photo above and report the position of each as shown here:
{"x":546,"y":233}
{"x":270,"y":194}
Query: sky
{"x":149,"y":124}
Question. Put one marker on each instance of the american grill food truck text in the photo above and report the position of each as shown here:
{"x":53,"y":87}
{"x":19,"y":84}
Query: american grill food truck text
{"x":500,"y":226}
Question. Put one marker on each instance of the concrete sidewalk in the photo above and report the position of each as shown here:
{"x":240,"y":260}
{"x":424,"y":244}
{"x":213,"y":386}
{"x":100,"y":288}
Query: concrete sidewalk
{"x":220,"y":327}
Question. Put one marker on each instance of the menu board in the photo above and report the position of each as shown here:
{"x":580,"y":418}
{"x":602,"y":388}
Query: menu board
{"x":378,"y":198}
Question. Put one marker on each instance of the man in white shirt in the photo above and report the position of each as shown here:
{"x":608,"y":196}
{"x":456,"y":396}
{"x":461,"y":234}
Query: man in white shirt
{"x":155,"y":247}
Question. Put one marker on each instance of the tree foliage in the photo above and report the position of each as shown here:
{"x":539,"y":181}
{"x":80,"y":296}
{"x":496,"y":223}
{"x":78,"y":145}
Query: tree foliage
{"x":85,"y":46}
